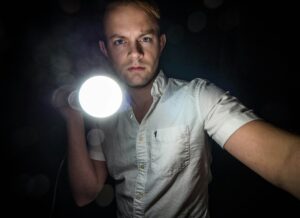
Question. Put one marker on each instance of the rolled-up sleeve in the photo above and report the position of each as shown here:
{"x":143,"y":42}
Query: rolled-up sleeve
{"x":95,"y":139}
{"x":224,"y":113}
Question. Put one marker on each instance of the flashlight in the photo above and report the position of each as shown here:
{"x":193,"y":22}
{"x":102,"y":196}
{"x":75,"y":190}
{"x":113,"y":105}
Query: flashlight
{"x":98,"y":96}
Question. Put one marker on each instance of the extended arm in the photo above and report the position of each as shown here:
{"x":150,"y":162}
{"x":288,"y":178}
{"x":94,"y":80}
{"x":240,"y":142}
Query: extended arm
{"x":271,"y":152}
{"x":87,"y":176}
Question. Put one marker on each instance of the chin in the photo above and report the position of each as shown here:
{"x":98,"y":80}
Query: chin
{"x":136,"y":85}
{"x":140,"y":84}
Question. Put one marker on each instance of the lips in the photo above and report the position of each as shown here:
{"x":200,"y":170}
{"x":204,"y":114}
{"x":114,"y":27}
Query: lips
{"x":136,"y":68}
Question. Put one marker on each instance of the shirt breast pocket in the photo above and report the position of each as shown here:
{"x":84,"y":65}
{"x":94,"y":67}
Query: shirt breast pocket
{"x":170,"y":150}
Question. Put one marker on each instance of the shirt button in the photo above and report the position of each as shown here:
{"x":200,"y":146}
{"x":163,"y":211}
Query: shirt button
{"x":142,"y":166}
{"x":141,"y":139}
{"x":139,"y":195}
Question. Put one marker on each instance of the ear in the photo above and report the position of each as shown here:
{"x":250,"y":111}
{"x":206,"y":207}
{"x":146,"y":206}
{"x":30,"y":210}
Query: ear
{"x":162,"y":42}
{"x":103,"y":48}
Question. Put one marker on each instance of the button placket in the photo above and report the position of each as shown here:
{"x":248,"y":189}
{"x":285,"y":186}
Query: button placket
{"x":141,"y":166}
{"x":142,"y":156}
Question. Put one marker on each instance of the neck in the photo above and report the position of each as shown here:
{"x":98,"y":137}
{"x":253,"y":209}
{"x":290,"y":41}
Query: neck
{"x":141,"y":100}
{"x":140,"y":96}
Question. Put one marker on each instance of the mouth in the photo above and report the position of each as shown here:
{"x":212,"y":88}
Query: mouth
{"x":136,"y":68}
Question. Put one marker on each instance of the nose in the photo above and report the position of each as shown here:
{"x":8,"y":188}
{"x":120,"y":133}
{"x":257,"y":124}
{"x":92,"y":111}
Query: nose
{"x":136,"y":51}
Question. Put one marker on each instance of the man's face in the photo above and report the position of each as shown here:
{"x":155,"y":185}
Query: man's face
{"x":133,"y":45}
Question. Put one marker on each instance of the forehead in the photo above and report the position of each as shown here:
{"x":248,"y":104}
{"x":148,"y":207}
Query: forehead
{"x":127,"y":18}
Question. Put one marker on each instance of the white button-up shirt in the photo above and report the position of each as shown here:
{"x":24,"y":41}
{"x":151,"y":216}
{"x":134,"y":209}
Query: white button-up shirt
{"x":161,"y":166}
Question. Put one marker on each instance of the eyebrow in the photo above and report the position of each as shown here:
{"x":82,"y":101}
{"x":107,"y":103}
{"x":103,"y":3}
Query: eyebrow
{"x":150,"y":31}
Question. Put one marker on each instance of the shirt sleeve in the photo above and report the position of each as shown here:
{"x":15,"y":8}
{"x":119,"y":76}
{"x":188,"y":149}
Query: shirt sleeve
{"x":224,"y":113}
{"x":95,"y":139}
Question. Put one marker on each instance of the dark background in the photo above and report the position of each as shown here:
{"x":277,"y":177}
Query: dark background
{"x":246,"y":47}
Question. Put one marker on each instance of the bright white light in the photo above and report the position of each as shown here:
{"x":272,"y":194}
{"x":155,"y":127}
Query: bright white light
{"x":100,"y":96}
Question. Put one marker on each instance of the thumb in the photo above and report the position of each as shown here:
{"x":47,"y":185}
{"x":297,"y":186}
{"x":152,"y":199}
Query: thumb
{"x":65,"y":96}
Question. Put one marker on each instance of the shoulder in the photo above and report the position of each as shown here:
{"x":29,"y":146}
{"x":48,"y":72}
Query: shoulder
{"x":196,"y":87}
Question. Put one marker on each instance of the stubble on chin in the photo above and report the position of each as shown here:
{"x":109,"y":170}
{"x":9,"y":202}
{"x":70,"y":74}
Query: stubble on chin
{"x":137,"y":81}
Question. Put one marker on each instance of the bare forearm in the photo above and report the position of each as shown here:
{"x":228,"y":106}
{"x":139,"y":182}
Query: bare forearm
{"x":85,"y":181}
{"x":269,"y":151}
{"x":290,"y":173}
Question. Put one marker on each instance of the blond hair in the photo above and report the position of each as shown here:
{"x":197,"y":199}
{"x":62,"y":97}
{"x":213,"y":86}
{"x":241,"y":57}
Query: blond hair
{"x":148,"y":6}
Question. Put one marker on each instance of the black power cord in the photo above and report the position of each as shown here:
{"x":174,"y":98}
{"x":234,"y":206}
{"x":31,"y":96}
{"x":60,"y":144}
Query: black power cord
{"x":55,"y":186}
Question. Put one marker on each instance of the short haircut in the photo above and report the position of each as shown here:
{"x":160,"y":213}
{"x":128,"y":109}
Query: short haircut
{"x":148,"y":6}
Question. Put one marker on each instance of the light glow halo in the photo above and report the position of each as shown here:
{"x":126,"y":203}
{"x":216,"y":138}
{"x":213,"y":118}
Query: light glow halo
{"x":100,"y":96}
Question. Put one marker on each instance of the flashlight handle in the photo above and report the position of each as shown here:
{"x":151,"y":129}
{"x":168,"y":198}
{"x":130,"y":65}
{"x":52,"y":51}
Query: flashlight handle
{"x":73,"y":100}
{"x":65,"y":96}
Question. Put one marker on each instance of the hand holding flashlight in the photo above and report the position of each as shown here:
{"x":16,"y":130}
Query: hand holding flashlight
{"x":98,"y":96}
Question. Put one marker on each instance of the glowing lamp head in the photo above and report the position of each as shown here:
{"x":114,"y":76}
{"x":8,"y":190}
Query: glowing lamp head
{"x":100,"y":96}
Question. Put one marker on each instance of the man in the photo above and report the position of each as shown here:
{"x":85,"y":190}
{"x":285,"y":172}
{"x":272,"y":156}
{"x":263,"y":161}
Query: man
{"x":155,"y":149}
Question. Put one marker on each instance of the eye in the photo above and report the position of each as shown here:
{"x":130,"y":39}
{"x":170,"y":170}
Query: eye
{"x":146,"y":39}
{"x":119,"y":42}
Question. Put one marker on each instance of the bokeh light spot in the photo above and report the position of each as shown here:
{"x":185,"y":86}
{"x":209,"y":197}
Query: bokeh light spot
{"x":70,"y":6}
{"x":212,"y":3}
{"x":197,"y":21}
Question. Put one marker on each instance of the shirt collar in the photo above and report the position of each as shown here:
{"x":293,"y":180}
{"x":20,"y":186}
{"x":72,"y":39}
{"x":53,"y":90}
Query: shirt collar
{"x":158,"y":88}
{"x":159,"y":84}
